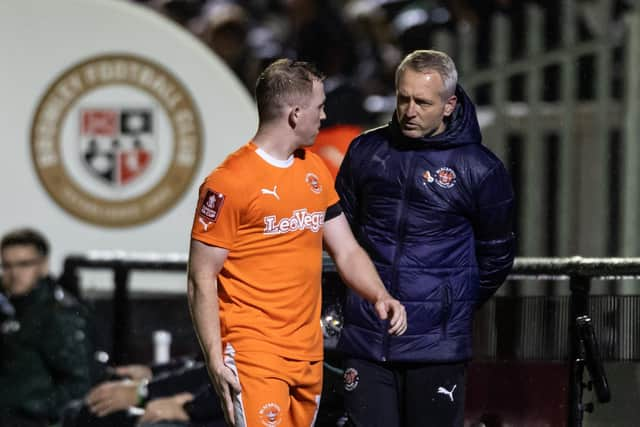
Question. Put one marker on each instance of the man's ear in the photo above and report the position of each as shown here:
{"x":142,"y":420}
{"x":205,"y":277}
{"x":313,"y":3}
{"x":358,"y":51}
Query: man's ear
{"x":294,"y":116}
{"x":450,"y":105}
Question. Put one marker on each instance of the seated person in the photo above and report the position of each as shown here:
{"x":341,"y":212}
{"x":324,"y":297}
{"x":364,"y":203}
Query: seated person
{"x":44,"y":340}
{"x":174,"y":394}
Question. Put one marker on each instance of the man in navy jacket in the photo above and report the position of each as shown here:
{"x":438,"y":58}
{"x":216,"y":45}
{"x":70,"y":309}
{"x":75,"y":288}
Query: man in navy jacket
{"x":433,"y":208}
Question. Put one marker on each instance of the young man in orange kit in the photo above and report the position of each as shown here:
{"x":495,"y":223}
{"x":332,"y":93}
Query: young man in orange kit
{"x":255,"y":261}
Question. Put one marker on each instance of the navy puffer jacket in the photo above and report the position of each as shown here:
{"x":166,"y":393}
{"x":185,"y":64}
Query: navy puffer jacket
{"x":435,"y":216}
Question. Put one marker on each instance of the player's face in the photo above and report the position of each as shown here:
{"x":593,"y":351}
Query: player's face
{"x":420,"y":105}
{"x":311,"y":114}
{"x":22,"y":267}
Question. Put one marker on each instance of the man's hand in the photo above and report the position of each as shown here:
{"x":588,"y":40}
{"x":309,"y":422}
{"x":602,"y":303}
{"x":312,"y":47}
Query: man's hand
{"x":112,"y":396}
{"x":166,"y":409}
{"x":227,"y":386}
{"x":386,"y":306}
{"x":135,"y":372}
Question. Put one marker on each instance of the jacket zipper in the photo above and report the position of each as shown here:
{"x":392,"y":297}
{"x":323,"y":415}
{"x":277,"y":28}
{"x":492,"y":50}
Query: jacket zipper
{"x":446,"y":308}
{"x":400,"y":241}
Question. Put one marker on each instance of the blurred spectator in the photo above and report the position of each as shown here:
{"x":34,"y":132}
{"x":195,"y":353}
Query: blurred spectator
{"x":332,"y":143}
{"x":416,"y":23}
{"x":224,"y":26}
{"x":346,"y":119}
{"x":376,"y":47}
{"x":318,"y":34}
{"x":175,"y":394}
{"x":45,"y":347}
{"x":179,"y":11}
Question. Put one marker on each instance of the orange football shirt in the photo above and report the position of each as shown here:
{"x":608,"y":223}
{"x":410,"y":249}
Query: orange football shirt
{"x":269,"y":214}
{"x":332,"y":143}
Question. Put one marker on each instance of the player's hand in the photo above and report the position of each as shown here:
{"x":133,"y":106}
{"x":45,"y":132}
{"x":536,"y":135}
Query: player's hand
{"x":112,"y":396}
{"x":390,"y":308}
{"x":166,"y":409}
{"x":227,"y":387}
{"x":135,"y":372}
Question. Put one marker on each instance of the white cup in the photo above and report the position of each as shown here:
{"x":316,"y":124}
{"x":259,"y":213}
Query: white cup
{"x":161,"y":346}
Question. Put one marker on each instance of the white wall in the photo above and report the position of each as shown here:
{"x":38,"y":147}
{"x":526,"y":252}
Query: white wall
{"x":41,"y":40}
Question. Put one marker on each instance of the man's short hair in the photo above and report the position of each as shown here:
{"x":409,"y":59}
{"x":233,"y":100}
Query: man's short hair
{"x":431,"y":60}
{"x":284,"y":82}
{"x":24,"y":237}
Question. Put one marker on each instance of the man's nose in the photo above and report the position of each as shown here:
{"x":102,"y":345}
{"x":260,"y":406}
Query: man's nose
{"x":411,"y":109}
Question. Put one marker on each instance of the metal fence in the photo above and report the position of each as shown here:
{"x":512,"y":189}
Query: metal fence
{"x":564,"y":115}
{"x":507,"y":328}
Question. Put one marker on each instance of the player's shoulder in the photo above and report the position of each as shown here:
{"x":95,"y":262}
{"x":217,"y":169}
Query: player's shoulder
{"x":234,"y":165}
{"x":310,"y":159}
{"x":315,"y":167}
{"x":306,"y":155}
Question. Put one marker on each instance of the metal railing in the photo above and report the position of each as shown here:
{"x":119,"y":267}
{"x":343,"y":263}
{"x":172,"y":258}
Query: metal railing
{"x":577,"y":270}
{"x":553,"y":129}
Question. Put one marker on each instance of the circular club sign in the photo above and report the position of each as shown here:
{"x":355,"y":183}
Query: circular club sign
{"x":116,"y":140}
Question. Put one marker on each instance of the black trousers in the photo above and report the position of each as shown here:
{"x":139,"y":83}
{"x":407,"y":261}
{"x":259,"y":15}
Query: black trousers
{"x":12,"y":419}
{"x":77,"y":414}
{"x":404,"y":395}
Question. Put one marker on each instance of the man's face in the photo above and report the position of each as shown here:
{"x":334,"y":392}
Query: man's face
{"x":22,"y":267}
{"x":311,"y":114}
{"x":420,"y":104}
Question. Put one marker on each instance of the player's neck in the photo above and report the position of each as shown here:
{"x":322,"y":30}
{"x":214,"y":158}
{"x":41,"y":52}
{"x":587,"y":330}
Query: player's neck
{"x":274,"y":143}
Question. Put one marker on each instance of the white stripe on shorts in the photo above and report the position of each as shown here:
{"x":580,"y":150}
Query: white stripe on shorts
{"x":238,"y":407}
{"x":315,"y":415}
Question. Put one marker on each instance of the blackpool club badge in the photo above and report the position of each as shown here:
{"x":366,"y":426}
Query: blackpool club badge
{"x":445,"y":177}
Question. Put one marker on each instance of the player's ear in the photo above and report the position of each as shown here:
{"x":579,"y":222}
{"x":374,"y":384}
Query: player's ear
{"x":294,"y":116}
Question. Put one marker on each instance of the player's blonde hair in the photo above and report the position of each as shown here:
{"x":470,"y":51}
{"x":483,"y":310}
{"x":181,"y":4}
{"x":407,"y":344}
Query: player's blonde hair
{"x":283,"y":83}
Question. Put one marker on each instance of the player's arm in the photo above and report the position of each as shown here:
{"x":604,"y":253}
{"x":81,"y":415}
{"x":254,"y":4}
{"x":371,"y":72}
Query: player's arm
{"x":358,"y":272}
{"x":205,"y":262}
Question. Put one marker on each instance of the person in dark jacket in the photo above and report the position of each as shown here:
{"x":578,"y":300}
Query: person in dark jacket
{"x":433,"y":208}
{"x":44,"y":340}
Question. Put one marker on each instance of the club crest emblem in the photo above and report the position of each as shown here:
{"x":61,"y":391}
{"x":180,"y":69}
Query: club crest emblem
{"x":445,"y":177}
{"x":270,"y":415}
{"x":314,"y":183}
{"x":116,"y":140}
{"x":351,"y":379}
{"x":117,"y":145}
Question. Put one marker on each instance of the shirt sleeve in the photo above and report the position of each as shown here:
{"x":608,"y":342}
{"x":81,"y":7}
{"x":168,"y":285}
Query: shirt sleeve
{"x":217,"y":214}
{"x":327,"y":181}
